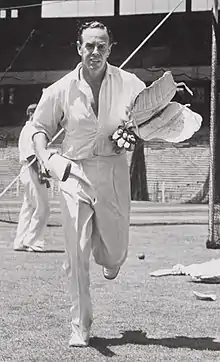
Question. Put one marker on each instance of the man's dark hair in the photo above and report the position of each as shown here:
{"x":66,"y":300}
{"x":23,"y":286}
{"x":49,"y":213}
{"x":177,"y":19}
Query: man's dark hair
{"x":94,"y":25}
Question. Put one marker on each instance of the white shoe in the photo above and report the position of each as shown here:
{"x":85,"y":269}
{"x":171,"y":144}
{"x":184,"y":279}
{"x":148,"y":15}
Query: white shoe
{"x":36,"y":248}
{"x":21,"y":248}
{"x":33,"y":248}
{"x":77,"y":341}
{"x":111,"y":273}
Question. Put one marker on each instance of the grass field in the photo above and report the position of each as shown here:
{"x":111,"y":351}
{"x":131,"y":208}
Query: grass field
{"x":136,"y":317}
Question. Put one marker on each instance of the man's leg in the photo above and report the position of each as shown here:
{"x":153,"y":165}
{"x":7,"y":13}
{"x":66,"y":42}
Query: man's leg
{"x":26,"y":212}
{"x":110,"y":240}
{"x":25,"y":215}
{"x":77,"y":221}
{"x":111,"y":231}
{"x":43,"y":203}
{"x":38,"y":196}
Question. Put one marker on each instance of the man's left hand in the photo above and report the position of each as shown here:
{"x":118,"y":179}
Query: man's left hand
{"x":125,"y":138}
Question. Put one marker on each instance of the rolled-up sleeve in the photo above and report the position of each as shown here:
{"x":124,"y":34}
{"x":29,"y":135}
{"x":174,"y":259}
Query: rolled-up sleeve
{"x":25,"y":144}
{"x":48,"y":112}
{"x":137,"y":86}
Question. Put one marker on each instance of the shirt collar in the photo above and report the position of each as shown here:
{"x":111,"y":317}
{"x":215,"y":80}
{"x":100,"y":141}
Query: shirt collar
{"x":76,"y":72}
{"x":109,"y":70}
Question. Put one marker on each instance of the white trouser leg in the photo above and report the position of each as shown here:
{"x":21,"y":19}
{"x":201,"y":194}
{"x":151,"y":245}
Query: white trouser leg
{"x":77,"y":218}
{"x":25,"y":215}
{"x":37,"y":196}
{"x":110,"y":177}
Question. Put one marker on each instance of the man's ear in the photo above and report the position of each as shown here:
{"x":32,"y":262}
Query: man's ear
{"x":79,"y":47}
{"x":109,"y":49}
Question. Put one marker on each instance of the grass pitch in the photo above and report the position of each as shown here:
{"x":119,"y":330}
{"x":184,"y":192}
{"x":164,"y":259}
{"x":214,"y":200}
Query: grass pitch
{"x":136,"y":317}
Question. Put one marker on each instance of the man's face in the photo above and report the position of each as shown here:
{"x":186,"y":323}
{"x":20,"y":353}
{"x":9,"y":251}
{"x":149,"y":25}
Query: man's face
{"x":94,"y":49}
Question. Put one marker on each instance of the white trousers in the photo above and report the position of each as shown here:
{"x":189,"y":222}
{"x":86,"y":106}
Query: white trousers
{"x":94,"y":219}
{"x":34,"y":212}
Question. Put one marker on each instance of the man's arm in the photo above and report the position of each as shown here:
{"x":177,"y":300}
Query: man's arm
{"x":43,"y":154}
{"x":47,"y":116}
{"x":45,"y":122}
{"x":40,"y":141}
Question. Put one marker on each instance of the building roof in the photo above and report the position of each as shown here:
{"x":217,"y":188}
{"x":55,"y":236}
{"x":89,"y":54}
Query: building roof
{"x":93,"y":8}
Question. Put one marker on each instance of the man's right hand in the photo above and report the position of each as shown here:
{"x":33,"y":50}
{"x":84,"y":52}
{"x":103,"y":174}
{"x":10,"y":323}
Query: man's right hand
{"x":43,"y":175}
{"x":57,"y":166}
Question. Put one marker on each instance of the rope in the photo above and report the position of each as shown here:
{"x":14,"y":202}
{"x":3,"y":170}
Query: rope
{"x":30,"y":5}
{"x":150,"y":35}
{"x":17,"y":55}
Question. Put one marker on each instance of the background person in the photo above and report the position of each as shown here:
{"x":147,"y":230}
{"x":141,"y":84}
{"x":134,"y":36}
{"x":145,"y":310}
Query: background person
{"x":34,"y":212}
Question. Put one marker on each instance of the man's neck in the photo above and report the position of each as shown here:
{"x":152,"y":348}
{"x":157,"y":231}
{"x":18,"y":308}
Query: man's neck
{"x":93,"y":79}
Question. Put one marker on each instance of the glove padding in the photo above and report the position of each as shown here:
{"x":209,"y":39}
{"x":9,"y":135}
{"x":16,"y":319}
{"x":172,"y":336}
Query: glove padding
{"x":56,"y":165}
{"x":123,"y":137}
{"x":59,"y":167}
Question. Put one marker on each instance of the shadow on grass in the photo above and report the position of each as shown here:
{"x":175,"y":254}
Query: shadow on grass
{"x":139,"y":338}
{"x":50,"y":251}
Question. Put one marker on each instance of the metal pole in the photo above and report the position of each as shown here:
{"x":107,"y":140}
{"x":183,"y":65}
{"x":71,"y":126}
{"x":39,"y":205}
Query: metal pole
{"x":117,"y":7}
{"x":212,"y":140}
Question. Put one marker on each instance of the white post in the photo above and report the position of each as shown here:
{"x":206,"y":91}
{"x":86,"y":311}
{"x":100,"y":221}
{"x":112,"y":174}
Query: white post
{"x":52,"y":188}
{"x":17,"y":187}
{"x":156,"y":191}
{"x":163,"y":191}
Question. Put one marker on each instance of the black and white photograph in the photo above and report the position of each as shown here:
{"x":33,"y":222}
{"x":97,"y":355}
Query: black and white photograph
{"x":109,"y":180}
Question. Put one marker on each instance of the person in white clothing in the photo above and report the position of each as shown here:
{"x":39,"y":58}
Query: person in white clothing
{"x":92,"y":100}
{"x":34,"y":212}
{"x":92,"y":103}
